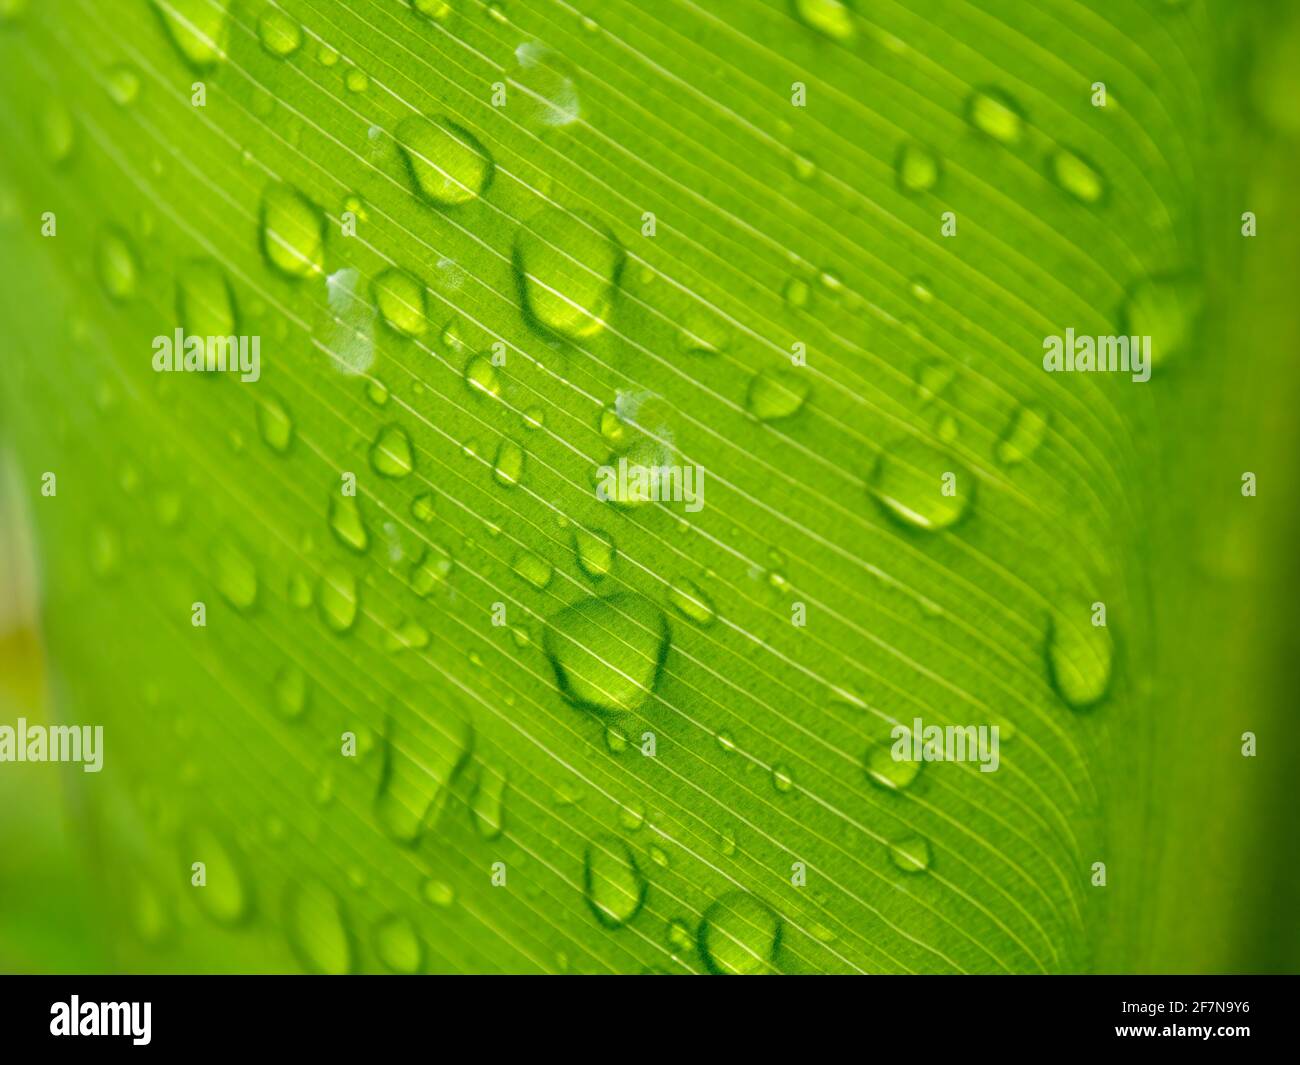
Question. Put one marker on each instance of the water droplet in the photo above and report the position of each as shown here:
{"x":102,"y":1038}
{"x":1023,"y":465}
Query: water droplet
{"x":198,"y":28}
{"x":115,"y":261}
{"x":689,"y":601}
{"x":911,"y":480}
{"x":1166,"y":309}
{"x":398,"y":946}
{"x":225,"y":898}
{"x":236,"y":576}
{"x":356,"y":80}
{"x":317,"y":929}
{"x":545,"y":88}
{"x":438,"y":893}
{"x":917,"y":168}
{"x":409,"y":635}
{"x":921,"y":291}
{"x":447,"y":164}
{"x":346,"y":522}
{"x":888,"y":772}
{"x":293,"y":239}
{"x":739,"y":935}
{"x":607,"y":653}
{"x":509,"y":465}
{"x":932,"y":379}
{"x":58,"y":131}
{"x":488,"y":807}
{"x":422,"y":508}
{"x":401,"y":302}
{"x":534,"y":569}
{"x":291,"y":692}
{"x":279,"y":34}
{"x":206,"y":308}
{"x":300,"y":592}
{"x":726,"y":741}
{"x":829,"y":17}
{"x":123,"y":84}
{"x":434,"y":9}
{"x":911,"y":854}
{"x":995,"y":114}
{"x":377,"y":392}
{"x":1023,"y":436}
{"x":680,"y":938}
{"x":431,"y":571}
{"x":614,"y":885}
{"x":796,"y":293}
{"x":337,"y":598}
{"x":569,"y":267}
{"x":421,"y":755}
{"x":390,"y":454}
{"x":1077,"y":176}
{"x":595,"y":552}
{"x":481,"y":376}
{"x":275,"y":424}
{"x":1079,"y":654}
{"x":776,"y":394}
{"x":782,"y":778}
{"x":326,"y":55}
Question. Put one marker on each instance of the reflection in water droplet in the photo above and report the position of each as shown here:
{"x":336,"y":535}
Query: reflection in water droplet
{"x":568,"y":266}
{"x":390,"y":454}
{"x":913,"y":482}
{"x":739,"y":935}
{"x":1079,"y":654}
{"x":614,"y":885}
{"x":447,"y":163}
{"x":317,"y":930}
{"x":607,"y":653}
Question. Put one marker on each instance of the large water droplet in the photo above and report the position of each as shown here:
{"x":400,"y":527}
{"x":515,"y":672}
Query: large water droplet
{"x":607,"y":653}
{"x":198,"y":28}
{"x":337,"y":598}
{"x":421,"y":755}
{"x":447,"y":164}
{"x":317,"y":929}
{"x":994,"y":113}
{"x":398,"y":946}
{"x":346,"y":522}
{"x":236,"y":575}
{"x":1077,"y":176}
{"x":116,"y":264}
{"x":913,"y":482}
{"x":390,"y":454}
{"x":830,"y":17}
{"x":293,"y":238}
{"x":614,"y":885}
{"x":1079,"y":654}
{"x":776,"y":394}
{"x":401,"y":302}
{"x":739,"y":935}
{"x":568,"y":266}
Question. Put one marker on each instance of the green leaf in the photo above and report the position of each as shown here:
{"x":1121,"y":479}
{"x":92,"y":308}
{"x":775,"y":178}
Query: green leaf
{"x":407,"y":661}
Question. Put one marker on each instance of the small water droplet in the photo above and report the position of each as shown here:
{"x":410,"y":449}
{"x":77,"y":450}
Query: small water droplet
{"x":293,"y":239}
{"x":421,"y":756}
{"x":356,"y":80}
{"x":123,"y":84}
{"x":1077,"y":176}
{"x":545,"y":88}
{"x":236,"y":575}
{"x":274,"y":424}
{"x":337,"y":598}
{"x":291,"y":692}
{"x":317,"y":929}
{"x":409,"y":635}
{"x":1079,"y":654}
{"x":346,"y":522}
{"x":910,"y":854}
{"x":1023,"y":436}
{"x":198,"y":28}
{"x":796,"y":293}
{"x":226,"y":897}
{"x":685,"y":596}
{"x":568,"y":266}
{"x":400,"y":298}
{"x":831,"y":18}
{"x":679,"y":936}
{"x":917,"y":168}
{"x":398,"y":946}
{"x":279,"y":34}
{"x":782,"y":778}
{"x":776,"y":394}
{"x":995,"y":114}
{"x":1166,"y":309}
{"x":614,"y":885}
{"x":509,"y":465}
{"x":739,"y":935}
{"x":115,"y":260}
{"x":481,"y":376}
{"x":607,"y":653}
{"x":595,"y":552}
{"x":438,"y":893}
{"x":890,"y":773}
{"x":533,"y":568}
{"x":390,"y":454}
{"x":422,"y":508}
